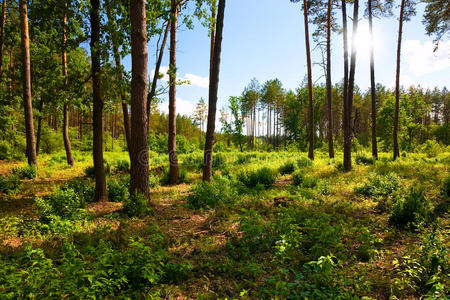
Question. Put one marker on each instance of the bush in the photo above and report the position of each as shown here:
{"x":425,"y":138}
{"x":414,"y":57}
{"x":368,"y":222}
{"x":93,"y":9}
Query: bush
{"x":84,"y":189}
{"x":193,"y":160}
{"x":182,"y":176}
{"x":209,"y":195}
{"x":122,"y":165}
{"x":298,"y":177}
{"x":137,"y":206}
{"x":364,"y":159}
{"x":5,"y":150}
{"x":253,"y":178}
{"x":245,"y":158}
{"x":288,"y":168}
{"x":10,"y":184}
{"x":304,"y":162}
{"x":301,"y":179}
{"x":219,"y":161}
{"x":410,"y":211}
{"x":379,"y":186}
{"x":117,"y":191}
{"x":27,"y":172}
{"x":63,"y":203}
{"x":90,"y":171}
{"x":445,"y":189}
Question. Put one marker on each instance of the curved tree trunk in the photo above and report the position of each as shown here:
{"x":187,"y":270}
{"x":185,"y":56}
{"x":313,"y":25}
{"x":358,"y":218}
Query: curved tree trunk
{"x":329,"y":95}
{"x":97,"y":126}
{"x":310,"y":84}
{"x":213,"y":89}
{"x":172,"y":142}
{"x":397,"y":81}
{"x":372,"y":86}
{"x":139,"y":143}
{"x":26,"y":77}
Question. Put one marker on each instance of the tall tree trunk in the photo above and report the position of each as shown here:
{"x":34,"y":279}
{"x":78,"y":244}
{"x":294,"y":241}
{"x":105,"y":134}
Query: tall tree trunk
{"x":372,"y":86}
{"x":397,"y":81}
{"x":2,"y":35}
{"x":65,"y":130}
{"x":97,"y":123}
{"x":351,"y":84}
{"x":139,"y":57}
{"x":26,"y":77}
{"x":172,"y":141}
{"x":39,"y":129}
{"x":345,"y":114}
{"x":310,"y":84}
{"x":213,"y":89}
{"x":329,"y":96}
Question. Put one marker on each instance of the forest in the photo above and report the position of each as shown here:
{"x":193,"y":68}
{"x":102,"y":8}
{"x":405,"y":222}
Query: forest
{"x":327,"y":190}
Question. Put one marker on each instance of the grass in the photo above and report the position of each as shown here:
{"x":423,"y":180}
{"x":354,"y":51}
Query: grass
{"x":258,"y":247}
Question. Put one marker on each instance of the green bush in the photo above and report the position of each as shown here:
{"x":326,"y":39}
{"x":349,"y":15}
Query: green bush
{"x":27,"y":172}
{"x":9,"y":184}
{"x":364,"y":159}
{"x":63,"y":203}
{"x":153,"y":180}
{"x":137,"y":206}
{"x":287,"y":168}
{"x":410,"y":211}
{"x":445,"y":189}
{"x":193,"y":160}
{"x":5,"y":150}
{"x":90,"y":171}
{"x":298,"y":177}
{"x":122,"y":165}
{"x":244,"y":158}
{"x":182,"y":176}
{"x":252,"y":178}
{"x":84,"y":189}
{"x":304,"y":162}
{"x":219,"y":161}
{"x":209,"y":195}
{"x":117,"y":191}
{"x":379,"y":186}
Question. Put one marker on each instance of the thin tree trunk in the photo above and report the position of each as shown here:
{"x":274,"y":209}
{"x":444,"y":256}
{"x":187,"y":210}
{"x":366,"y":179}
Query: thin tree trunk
{"x":310,"y":84}
{"x":213,"y":89}
{"x":329,"y":96}
{"x":172,"y":141}
{"x":397,"y":81}
{"x":39,"y":129}
{"x":10,"y":82}
{"x":2,"y":35}
{"x":139,"y":143}
{"x":65,"y":130}
{"x":345,"y":114}
{"x":26,"y":77}
{"x":372,"y":87}
{"x":100,"y":177}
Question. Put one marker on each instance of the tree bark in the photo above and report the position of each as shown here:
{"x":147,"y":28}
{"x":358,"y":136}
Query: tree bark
{"x":213,"y":89}
{"x":97,"y":122}
{"x":139,"y":143}
{"x":397,"y":82}
{"x":345,"y":114}
{"x":67,"y":145}
{"x":39,"y":129}
{"x":329,"y":95}
{"x":2,"y":35}
{"x":26,"y":77}
{"x":372,"y":86}
{"x":172,"y":141}
{"x":310,"y":84}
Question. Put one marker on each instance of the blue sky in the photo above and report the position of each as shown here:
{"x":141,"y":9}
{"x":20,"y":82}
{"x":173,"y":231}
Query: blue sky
{"x":265,"y":39}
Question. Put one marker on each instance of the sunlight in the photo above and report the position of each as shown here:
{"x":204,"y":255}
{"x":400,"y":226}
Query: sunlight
{"x":364,"y":41}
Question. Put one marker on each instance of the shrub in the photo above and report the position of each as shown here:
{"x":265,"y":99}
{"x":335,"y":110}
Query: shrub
{"x":63,"y":203}
{"x":90,"y":171}
{"x":137,"y":206}
{"x":84,"y":189}
{"x":445,"y":189}
{"x":117,"y":191}
{"x":364,"y":159}
{"x":288,"y":168}
{"x":10,"y":184}
{"x":193,"y":160}
{"x":244,"y":158}
{"x":252,"y":178}
{"x":209,"y":195}
{"x":182,"y":176}
{"x":379,"y":185}
{"x":298,"y":177}
{"x":153,"y":180}
{"x":5,"y":150}
{"x":410,"y":211}
{"x":27,"y":172}
{"x":219,"y":161}
{"x":122,"y":165}
{"x":304,"y":162}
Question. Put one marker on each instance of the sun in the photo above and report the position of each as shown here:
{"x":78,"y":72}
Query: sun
{"x":364,"y":41}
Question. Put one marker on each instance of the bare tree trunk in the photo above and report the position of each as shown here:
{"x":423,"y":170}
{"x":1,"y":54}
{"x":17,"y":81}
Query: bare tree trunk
{"x":172,"y":147}
{"x":139,"y":57}
{"x":39,"y":129}
{"x":97,"y":123}
{"x":397,"y":81}
{"x":26,"y":77}
{"x":65,"y":130}
{"x":310,"y":84}
{"x":213,"y":89}
{"x":2,"y":35}
{"x":372,"y":87}
{"x":345,"y":114}
{"x":329,"y":96}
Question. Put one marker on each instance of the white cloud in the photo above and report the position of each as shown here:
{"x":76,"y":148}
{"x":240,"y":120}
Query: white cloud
{"x":183,"y":107}
{"x":422,"y":60}
{"x":195,"y":80}
{"x":163,"y":70}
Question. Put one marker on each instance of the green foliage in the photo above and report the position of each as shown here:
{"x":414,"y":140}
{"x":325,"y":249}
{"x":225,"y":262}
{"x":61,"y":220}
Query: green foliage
{"x":379,"y":186}
{"x":219,"y":161}
{"x":9,"y":184}
{"x":304,"y":162}
{"x":411,"y":211}
{"x":84,"y":189}
{"x":27,"y":172}
{"x":364,"y":159}
{"x":252,"y":178}
{"x":137,"y":206}
{"x":300,"y":178}
{"x":288,"y":168}
{"x":182,"y":176}
{"x":122,"y":165}
{"x":5,"y":150}
{"x":117,"y":191}
{"x":445,"y":189}
{"x":90,"y":171}
{"x":244,"y":158}
{"x":209,"y":195}
{"x":63,"y":203}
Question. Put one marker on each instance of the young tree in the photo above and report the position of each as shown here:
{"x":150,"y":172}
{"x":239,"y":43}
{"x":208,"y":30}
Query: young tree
{"x":2,"y":35}
{"x":213,"y":89}
{"x":236,"y":126}
{"x":26,"y":78}
{"x":97,"y":124}
{"x":139,"y":144}
{"x":200,"y":114}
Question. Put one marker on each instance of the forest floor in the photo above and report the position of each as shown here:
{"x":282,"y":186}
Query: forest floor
{"x":329,"y":236}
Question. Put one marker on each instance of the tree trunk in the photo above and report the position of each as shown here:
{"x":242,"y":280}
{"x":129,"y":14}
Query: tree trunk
{"x":172,"y":146}
{"x":345,"y":114}
{"x":26,"y":77}
{"x":2,"y":35}
{"x":100,"y":177}
{"x":310,"y":84}
{"x":329,"y":96}
{"x":39,"y":129}
{"x":397,"y":81}
{"x":372,"y":87}
{"x":139,"y":57}
{"x":213,"y":89}
{"x":67,"y":145}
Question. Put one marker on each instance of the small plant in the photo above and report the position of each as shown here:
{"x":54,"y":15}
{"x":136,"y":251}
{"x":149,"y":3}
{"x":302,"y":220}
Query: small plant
{"x":288,"y":168}
{"x":90,"y":171}
{"x":5,"y":150}
{"x":27,"y":172}
{"x":182,"y":176}
{"x":445,"y":189}
{"x":410,"y":211}
{"x":137,"y":206}
{"x":379,"y":186}
{"x":219,"y":161}
{"x":298,"y":177}
{"x":209,"y":195}
{"x":63,"y":203}
{"x":83,"y":188}
{"x":10,"y":184}
{"x":252,"y":178}
{"x":364,"y":159}
{"x":117,"y":191}
{"x":123,"y":165}
{"x":304,"y":162}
